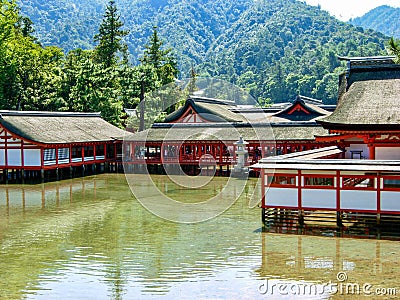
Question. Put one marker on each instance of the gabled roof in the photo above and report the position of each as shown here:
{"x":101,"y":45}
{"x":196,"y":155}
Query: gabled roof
{"x":211,"y":110}
{"x":369,"y":97}
{"x":302,"y":109}
{"x":59,"y":127}
{"x":227,"y":132}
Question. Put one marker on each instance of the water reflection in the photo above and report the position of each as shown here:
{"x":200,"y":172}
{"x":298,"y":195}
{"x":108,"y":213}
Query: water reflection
{"x":320,"y":259}
{"x":89,"y":238}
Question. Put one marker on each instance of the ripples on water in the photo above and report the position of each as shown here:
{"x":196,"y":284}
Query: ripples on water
{"x":90,"y":239}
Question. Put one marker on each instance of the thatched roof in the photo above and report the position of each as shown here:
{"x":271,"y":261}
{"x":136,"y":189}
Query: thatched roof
{"x":59,"y":127}
{"x":212,"y":110}
{"x":216,"y":110}
{"x":302,"y":109}
{"x":369,"y":98}
{"x":228,"y":132}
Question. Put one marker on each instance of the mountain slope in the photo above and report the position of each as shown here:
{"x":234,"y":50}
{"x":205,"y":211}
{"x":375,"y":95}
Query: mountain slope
{"x":275,"y":49}
{"x":290,"y":44}
{"x":384,"y":19}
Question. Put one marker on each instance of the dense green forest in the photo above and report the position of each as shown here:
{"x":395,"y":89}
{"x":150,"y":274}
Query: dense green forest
{"x":274,"y":49}
{"x":384,"y":19}
{"x":59,"y":55}
{"x":36,"y":77}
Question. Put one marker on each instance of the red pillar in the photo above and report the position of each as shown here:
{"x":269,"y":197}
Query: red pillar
{"x":371,"y":151}
{"x":22,"y":154}
{"x":83,"y":153}
{"x":57,"y":156}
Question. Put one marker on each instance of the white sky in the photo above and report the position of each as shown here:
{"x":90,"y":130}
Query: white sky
{"x":346,"y":9}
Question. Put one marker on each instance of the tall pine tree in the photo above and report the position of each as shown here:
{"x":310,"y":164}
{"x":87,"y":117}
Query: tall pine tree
{"x":110,"y":37}
{"x":162,"y":60}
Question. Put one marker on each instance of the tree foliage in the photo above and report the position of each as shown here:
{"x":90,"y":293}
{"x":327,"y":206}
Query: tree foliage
{"x":162,"y":60}
{"x":394,"y":48}
{"x":273,"y":49}
{"x":110,"y":37}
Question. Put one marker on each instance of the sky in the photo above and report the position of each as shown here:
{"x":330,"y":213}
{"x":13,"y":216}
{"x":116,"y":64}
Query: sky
{"x":346,"y":9}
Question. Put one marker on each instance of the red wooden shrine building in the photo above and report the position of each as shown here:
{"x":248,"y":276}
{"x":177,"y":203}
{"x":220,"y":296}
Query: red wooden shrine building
{"x":204,"y":132}
{"x":366,"y":180}
{"x":32,"y":144}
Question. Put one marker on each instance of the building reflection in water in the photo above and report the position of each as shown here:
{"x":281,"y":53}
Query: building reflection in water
{"x":320,"y":259}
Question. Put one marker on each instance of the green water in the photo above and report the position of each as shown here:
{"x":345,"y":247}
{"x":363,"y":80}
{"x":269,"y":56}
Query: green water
{"x":89,"y":238}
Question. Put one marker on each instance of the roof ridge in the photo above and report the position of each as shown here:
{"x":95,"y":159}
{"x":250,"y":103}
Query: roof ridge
{"x":48,"y":113}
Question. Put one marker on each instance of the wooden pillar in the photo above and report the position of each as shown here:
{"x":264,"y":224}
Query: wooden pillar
{"x":22,"y":163}
{"x":83,"y":154}
{"x":371,"y":152}
{"x":338,"y":210}
{"x":56,"y":155}
{"x":70,"y":154}
{"x":299,"y":199}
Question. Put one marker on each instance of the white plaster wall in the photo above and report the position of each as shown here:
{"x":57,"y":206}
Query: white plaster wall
{"x":14,"y":157}
{"x":390,"y":201}
{"x":361,"y":199}
{"x":318,"y":198}
{"x":281,"y":197}
{"x":31,"y":157}
{"x":2,"y":157}
{"x":387,"y":153}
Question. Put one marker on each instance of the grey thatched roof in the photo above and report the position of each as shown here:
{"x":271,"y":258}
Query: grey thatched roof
{"x":213,"y":111}
{"x":369,"y":99}
{"x":311,"y":112}
{"x":227,"y":132}
{"x":59,"y":127}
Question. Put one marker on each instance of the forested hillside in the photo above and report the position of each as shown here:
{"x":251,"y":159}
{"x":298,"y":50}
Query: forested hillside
{"x":275,"y":49}
{"x":384,"y":19}
{"x":280,"y":48}
{"x":37,"y":77}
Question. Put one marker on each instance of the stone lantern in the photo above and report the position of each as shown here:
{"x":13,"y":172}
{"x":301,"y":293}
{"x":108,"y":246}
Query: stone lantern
{"x":239,"y":170}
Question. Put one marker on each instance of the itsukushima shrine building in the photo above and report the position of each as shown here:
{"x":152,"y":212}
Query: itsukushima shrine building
{"x":204,"y":131}
{"x":311,"y":157}
{"x":57,"y":144}
{"x":366,"y":180}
